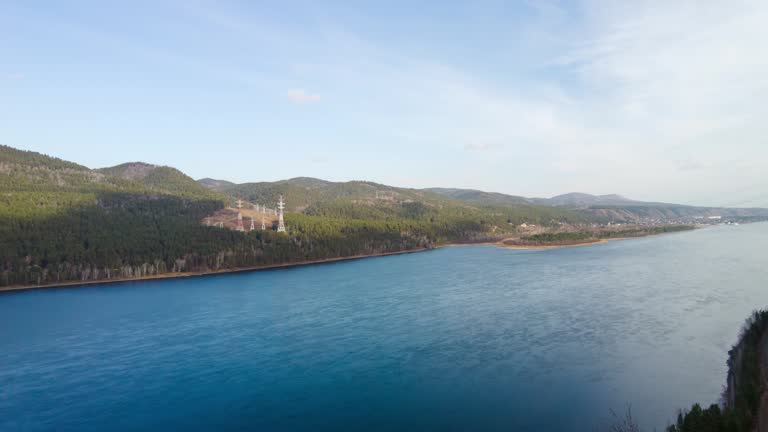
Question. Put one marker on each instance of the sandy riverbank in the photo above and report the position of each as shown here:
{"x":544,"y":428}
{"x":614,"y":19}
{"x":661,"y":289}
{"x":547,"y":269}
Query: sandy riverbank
{"x":553,"y":246}
{"x":501,"y":243}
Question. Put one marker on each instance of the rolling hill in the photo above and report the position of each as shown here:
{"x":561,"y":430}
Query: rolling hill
{"x":478,"y":196}
{"x":360,"y":199}
{"x":609,"y":208}
{"x":61,"y":221}
{"x":160,"y":179}
{"x":577,"y":199}
{"x":368,"y":200}
{"x":216,"y":185}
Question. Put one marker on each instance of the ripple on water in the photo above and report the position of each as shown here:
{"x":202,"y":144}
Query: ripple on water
{"x":469,"y":338}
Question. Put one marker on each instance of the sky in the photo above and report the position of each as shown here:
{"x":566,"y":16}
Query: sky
{"x":653,"y":100}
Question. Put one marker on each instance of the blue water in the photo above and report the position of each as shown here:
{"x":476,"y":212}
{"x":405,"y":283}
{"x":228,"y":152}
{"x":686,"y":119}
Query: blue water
{"x":461,"y":338}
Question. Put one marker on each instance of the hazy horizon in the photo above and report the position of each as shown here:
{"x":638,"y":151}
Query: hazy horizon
{"x":656,"y":101}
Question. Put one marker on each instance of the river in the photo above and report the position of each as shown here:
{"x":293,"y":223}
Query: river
{"x":460,"y":338}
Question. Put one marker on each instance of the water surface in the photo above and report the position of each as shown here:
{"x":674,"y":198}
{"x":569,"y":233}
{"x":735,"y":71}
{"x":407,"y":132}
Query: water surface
{"x":461,"y":338}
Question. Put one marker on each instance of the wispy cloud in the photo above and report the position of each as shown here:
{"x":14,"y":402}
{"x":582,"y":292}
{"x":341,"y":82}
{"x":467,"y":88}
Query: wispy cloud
{"x":300,"y":96}
{"x":319,"y":159}
{"x":476,"y":146}
{"x":659,"y":97}
{"x":689,"y":165}
{"x":15,"y":76}
{"x":653,"y":93}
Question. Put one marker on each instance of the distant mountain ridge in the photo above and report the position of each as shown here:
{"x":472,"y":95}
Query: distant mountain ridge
{"x":573,"y":199}
{"x":584,"y":199}
{"x":612,"y":207}
{"x":307,"y":192}
{"x":367,"y":200}
{"x":473,"y":195}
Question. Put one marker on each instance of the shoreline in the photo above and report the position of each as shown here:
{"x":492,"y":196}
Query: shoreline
{"x":196,"y":274}
{"x":521,"y":246}
{"x":497,"y":243}
{"x":500,"y":244}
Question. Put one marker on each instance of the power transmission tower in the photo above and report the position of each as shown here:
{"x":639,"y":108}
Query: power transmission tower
{"x":280,"y":221}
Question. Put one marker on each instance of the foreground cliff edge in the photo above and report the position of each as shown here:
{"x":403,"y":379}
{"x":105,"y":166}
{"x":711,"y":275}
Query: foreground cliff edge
{"x":743,"y":405}
{"x":744,"y":402}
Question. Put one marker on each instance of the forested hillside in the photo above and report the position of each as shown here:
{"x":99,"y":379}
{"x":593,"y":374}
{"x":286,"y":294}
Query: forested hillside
{"x":60,"y":221}
{"x":161,"y":179}
{"x":478,"y":196}
{"x":373,"y":201}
